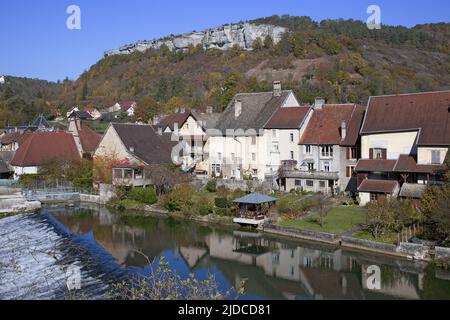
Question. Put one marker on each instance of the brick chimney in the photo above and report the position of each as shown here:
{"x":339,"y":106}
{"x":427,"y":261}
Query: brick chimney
{"x":277,"y":88}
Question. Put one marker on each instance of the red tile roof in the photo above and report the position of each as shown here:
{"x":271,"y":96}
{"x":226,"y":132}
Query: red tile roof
{"x":375,"y":165}
{"x":378,"y":186}
{"x":287,"y":118}
{"x":171,"y":119}
{"x":39,"y":148}
{"x":427,"y":112}
{"x":89,"y":138}
{"x":354,"y":126}
{"x":324,"y":127}
{"x":126,"y":105}
{"x":9,"y":138}
{"x":407,"y":163}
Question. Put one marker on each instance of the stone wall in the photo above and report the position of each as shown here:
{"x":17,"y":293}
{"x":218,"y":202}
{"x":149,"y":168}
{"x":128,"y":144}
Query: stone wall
{"x":442,"y":253}
{"x":414,"y":250}
{"x":368,"y":245}
{"x":303,"y":234}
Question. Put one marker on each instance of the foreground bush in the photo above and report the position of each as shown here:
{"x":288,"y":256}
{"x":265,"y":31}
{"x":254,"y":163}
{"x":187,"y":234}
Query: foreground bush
{"x":165,"y":284}
{"x":143,"y":195}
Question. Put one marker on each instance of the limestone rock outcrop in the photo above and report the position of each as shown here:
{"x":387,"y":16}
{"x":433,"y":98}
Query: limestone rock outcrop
{"x":223,"y":38}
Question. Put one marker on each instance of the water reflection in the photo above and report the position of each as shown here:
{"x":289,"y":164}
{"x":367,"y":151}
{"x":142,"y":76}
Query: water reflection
{"x":274,"y":268}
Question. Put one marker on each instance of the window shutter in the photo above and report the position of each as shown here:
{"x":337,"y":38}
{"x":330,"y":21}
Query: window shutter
{"x":371,"y":153}
{"x":384,"y":154}
{"x":348,"y":152}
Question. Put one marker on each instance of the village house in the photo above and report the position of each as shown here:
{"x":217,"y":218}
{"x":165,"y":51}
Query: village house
{"x":240,"y":146}
{"x":131,"y":148}
{"x":128,"y":107}
{"x":404,"y":142}
{"x":190,"y":128}
{"x":328,"y":150}
{"x":83,"y":115}
{"x":94,"y":113}
{"x":86,"y":139}
{"x":39,"y":148}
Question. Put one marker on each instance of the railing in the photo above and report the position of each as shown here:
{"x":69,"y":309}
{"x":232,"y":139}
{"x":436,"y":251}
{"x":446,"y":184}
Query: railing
{"x":7,"y":182}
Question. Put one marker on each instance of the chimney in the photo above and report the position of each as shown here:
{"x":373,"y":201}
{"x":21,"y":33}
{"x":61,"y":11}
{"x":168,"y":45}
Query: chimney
{"x":132,"y":149}
{"x":237,"y":108}
{"x":182,"y":110}
{"x":277,"y":88}
{"x":318,"y":103}
{"x":343,"y":129}
{"x":160,"y":131}
{"x":209,"y":110}
{"x":155,"y":120}
{"x":175,"y":128}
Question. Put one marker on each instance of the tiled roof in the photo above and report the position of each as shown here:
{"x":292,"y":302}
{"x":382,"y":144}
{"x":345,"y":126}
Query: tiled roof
{"x":412,"y":190}
{"x":427,"y":112}
{"x":378,"y":186}
{"x":89,"y":138}
{"x":287,"y":118}
{"x":80,"y":114}
{"x":145,"y":143}
{"x":126,"y":105}
{"x":11,"y":137}
{"x":324,"y":127}
{"x":407,"y":163}
{"x":375,"y":165}
{"x":257,"y":108}
{"x":39,"y":148}
{"x":170,"y":120}
{"x":354,"y":126}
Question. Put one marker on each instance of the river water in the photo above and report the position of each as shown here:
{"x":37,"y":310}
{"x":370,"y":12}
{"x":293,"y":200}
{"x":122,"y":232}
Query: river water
{"x":273,"y":267}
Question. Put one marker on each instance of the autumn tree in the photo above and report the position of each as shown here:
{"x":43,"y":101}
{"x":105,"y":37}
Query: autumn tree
{"x":146,"y":108}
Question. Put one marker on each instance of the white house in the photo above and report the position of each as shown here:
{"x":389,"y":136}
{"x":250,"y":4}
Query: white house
{"x":239,"y":147}
{"x":128,"y":107}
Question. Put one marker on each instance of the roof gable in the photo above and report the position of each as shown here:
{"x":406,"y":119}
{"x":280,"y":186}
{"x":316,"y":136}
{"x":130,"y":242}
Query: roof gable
{"x":427,"y":112}
{"x":324,"y":127}
{"x":145,"y":143}
{"x":38,"y":148}
{"x":287,"y":118}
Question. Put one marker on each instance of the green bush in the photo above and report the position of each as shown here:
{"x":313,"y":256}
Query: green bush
{"x":222,"y":203}
{"x":225,"y":212}
{"x":211,"y":186}
{"x":203,"y":206}
{"x":143,"y":195}
{"x":128,"y":204}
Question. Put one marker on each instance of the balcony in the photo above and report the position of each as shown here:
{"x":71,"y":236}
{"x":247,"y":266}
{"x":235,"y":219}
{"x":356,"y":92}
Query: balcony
{"x":315,"y":175}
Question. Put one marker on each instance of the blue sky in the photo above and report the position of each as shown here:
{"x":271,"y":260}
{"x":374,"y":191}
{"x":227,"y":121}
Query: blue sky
{"x":35,"y":41}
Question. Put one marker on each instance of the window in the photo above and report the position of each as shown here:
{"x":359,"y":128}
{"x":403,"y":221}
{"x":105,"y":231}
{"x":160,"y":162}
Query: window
{"x":118,"y":174}
{"x":327,"y":151}
{"x":275,"y":147}
{"x":310,"y":166}
{"x":298,"y":183}
{"x":253,"y":156}
{"x":310,"y":183}
{"x":128,"y":173}
{"x":255,"y":172}
{"x":232,"y":157}
{"x":274,"y":133}
{"x":349,"y":171}
{"x":373,"y":197}
{"x":352,"y":153}
{"x":138,"y":174}
{"x":292,"y":137}
{"x":292,"y":155}
{"x":216,"y":168}
{"x":326,"y":166}
{"x":219,"y":155}
{"x":322,"y":184}
{"x":435,"y":157}
{"x":308,"y":149}
{"x":378,"y":153}
{"x":253,"y":140}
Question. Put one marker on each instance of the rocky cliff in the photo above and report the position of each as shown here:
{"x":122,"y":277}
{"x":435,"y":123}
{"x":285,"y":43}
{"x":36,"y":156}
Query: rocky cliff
{"x":223,"y":38}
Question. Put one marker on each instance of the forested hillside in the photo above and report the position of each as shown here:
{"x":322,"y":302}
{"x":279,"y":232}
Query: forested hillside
{"x":341,"y":60}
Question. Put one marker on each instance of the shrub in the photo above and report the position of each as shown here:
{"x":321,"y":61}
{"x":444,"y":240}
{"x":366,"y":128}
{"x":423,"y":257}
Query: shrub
{"x":128,"y":204}
{"x":211,"y":186}
{"x":238,"y":193}
{"x":225,"y":212}
{"x":222,"y":192}
{"x":204,"y":206}
{"x":143,"y":195}
{"x":222,"y":203}
{"x":179,"y":198}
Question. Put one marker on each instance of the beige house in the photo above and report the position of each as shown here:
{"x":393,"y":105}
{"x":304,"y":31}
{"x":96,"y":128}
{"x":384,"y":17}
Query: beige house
{"x":404,"y":139}
{"x":132,"y":147}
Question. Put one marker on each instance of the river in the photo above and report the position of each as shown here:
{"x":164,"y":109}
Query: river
{"x":109,"y":247}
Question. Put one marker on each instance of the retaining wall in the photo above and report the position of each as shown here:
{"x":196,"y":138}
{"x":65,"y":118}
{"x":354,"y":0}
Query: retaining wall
{"x":302,"y":234}
{"x":442,"y":253}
